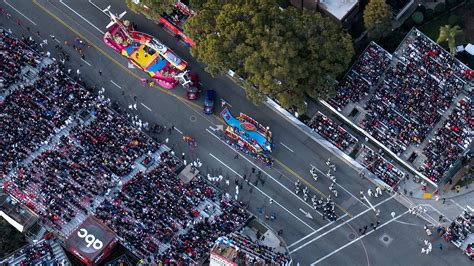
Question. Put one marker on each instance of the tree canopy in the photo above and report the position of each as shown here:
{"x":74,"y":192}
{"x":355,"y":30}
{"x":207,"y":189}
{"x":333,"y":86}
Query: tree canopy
{"x":377,"y":18}
{"x":283,"y":54}
{"x":152,"y":9}
{"x":448,"y":33}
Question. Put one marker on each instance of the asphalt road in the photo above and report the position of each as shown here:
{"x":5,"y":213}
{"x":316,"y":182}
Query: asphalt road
{"x":311,"y":240}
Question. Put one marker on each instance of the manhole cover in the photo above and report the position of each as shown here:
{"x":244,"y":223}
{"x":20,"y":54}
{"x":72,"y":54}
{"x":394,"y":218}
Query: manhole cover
{"x":386,"y":239}
{"x":351,"y":236}
{"x":192,"y":118}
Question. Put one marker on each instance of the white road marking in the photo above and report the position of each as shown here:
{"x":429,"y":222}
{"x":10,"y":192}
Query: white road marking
{"x":276,"y":202}
{"x":357,"y":239}
{"x":343,"y":188}
{"x":309,"y":235}
{"x":457,"y":204}
{"x":115,"y":84}
{"x":149,"y":109}
{"x":271,"y":177}
{"x":282,"y":144}
{"x":90,"y":23}
{"x":90,"y":1}
{"x":212,"y":128}
{"x":180,"y":132}
{"x":57,"y":40}
{"x":345,"y":222}
{"x":86,"y":62}
{"x":32,"y":22}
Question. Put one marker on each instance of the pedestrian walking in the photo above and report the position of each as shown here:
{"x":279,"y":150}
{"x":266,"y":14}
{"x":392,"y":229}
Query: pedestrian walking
{"x":236,"y":156}
{"x":227,"y":182}
{"x":393,"y":215}
{"x":253,"y":170}
{"x":378,"y":190}
{"x":69,"y":71}
{"x":100,"y":72}
{"x":369,"y":192}
{"x":444,"y":200}
{"x":78,"y":72}
{"x":441,"y":246}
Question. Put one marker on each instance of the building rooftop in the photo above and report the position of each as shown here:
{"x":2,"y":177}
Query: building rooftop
{"x":338,"y":8}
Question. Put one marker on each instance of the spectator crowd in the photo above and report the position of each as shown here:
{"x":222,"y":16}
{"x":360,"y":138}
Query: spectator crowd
{"x":40,"y":253}
{"x":248,"y":252}
{"x":459,"y":229}
{"x":63,"y":151}
{"x":378,"y":165}
{"x":156,"y":210}
{"x":407,"y":95}
{"x":449,"y":141}
{"x":363,"y":74}
{"x":331,"y":131}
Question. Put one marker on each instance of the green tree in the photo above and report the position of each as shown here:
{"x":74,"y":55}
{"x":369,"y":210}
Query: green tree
{"x":11,"y":239}
{"x":377,"y":18}
{"x":448,"y":33}
{"x":284,"y":54}
{"x":152,"y":9}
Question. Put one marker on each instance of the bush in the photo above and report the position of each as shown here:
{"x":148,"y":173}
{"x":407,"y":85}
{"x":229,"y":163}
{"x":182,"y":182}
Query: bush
{"x":451,"y":3}
{"x":421,"y":8}
{"x":417,"y":17}
{"x":283,"y":3}
{"x":440,"y":8}
{"x":429,"y":14}
{"x":455,"y":20}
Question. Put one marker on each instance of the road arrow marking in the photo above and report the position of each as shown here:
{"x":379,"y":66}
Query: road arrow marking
{"x":220,"y":127}
{"x":307,"y":214}
{"x":130,"y":65}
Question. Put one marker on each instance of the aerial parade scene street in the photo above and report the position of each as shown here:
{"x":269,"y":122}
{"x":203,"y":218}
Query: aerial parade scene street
{"x":261,"y":132}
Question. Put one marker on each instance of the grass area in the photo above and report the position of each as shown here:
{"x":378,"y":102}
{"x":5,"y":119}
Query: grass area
{"x":258,"y":226}
{"x":10,"y":239}
{"x":431,"y":29}
{"x":354,"y":152}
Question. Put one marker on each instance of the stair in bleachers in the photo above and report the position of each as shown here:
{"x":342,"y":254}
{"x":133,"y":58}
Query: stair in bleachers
{"x":59,"y":254}
{"x":68,"y":228}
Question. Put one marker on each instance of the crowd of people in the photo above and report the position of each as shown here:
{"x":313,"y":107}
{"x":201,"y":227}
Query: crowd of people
{"x":459,"y":229}
{"x":77,"y":149}
{"x":378,"y":165}
{"x":409,"y":93}
{"x":331,"y":131}
{"x":249,"y":251}
{"x":449,"y":141}
{"x":37,"y":254}
{"x":156,"y":210}
{"x":14,"y":55}
{"x":364,"y":74}
{"x":414,"y":94}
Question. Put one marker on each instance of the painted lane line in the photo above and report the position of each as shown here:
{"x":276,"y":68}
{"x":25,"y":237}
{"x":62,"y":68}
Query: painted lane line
{"x":101,"y":10}
{"x":149,"y":109}
{"x":90,"y":23}
{"x":115,"y":84}
{"x":309,"y":235}
{"x":86,"y":62}
{"x":357,"y":239}
{"x":345,"y":222}
{"x":457,"y":204}
{"x":179,"y":131}
{"x":282,"y":144}
{"x":259,"y":190}
{"x":271,"y":177}
{"x":32,"y":22}
{"x":343,"y":188}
